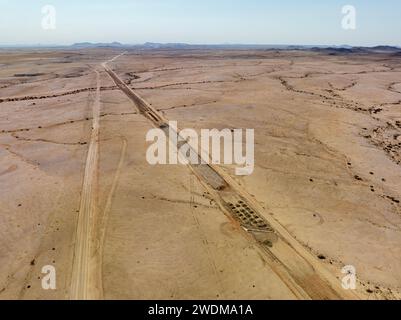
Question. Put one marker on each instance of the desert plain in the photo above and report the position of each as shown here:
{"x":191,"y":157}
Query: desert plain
{"x":77,"y":193}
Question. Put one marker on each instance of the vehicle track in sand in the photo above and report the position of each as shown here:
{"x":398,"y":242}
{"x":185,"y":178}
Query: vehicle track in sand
{"x":104,"y":218}
{"x":298,"y":268}
{"x":86,"y":278}
{"x":83,"y":281}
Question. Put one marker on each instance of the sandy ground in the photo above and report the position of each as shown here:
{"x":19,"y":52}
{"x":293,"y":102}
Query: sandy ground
{"x":77,"y":192}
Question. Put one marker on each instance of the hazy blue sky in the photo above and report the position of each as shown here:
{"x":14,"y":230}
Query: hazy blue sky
{"x":202,"y":21}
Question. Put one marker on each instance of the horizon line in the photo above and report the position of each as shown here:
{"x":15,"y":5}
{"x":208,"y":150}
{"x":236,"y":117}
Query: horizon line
{"x":117,"y":43}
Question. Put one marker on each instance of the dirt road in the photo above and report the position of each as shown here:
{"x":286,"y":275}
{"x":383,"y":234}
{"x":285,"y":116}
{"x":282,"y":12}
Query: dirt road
{"x":83,"y":281}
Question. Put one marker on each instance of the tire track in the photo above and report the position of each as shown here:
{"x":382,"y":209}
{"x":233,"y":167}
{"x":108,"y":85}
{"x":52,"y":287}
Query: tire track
{"x":84,"y":285}
{"x":205,"y":243}
{"x":105,"y":216}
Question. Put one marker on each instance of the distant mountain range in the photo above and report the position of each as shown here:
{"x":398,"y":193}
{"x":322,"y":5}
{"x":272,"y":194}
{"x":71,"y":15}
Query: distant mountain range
{"x":156,"y":45}
{"x":329,"y":49}
{"x":97,"y":45}
{"x":343,"y":49}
